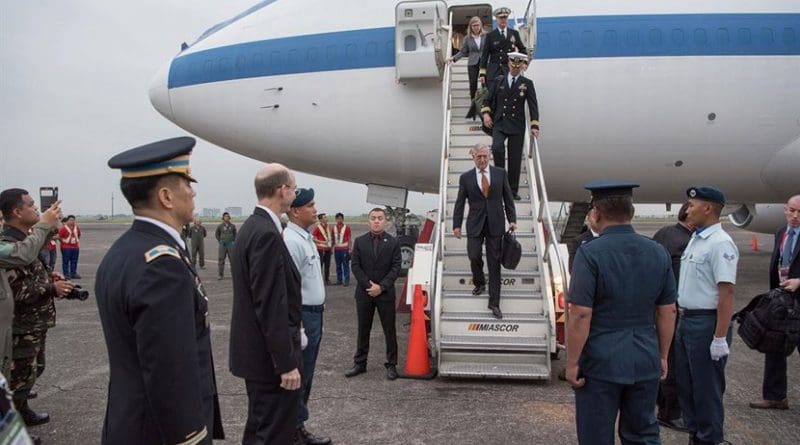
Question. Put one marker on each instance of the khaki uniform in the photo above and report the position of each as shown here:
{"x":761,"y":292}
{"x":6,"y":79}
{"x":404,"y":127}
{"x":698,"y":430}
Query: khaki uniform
{"x":15,"y":254}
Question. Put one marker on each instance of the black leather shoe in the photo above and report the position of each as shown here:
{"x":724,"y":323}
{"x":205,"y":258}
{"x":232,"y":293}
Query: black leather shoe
{"x":496,"y":312}
{"x":32,"y":418}
{"x":302,"y":436}
{"x":391,"y":372}
{"x":673,"y":424}
{"x":76,"y":277}
{"x":356,"y":370}
{"x":479,"y":289}
{"x":517,"y":197}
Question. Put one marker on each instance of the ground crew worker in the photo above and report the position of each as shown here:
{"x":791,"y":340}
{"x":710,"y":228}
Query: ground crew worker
{"x":323,"y":240}
{"x":705,"y":298}
{"x":504,"y":112}
{"x":499,"y":43}
{"x":226,"y":236}
{"x":197,"y":233}
{"x":154,"y":309}
{"x":620,"y":325}
{"x":34,"y":308}
{"x":16,"y":254}
{"x":342,"y":245}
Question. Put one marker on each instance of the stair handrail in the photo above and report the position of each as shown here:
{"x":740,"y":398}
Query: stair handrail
{"x":438,"y":244}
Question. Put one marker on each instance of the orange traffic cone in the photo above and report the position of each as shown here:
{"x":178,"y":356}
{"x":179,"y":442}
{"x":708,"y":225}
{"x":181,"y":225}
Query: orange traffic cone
{"x":754,"y":243}
{"x":418,"y":363}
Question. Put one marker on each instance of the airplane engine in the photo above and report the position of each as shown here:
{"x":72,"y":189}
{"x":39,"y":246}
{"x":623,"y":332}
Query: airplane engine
{"x":761,"y":218}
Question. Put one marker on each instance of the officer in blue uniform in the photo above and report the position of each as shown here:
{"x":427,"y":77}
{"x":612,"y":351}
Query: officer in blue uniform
{"x":154,"y":309}
{"x":705,"y":298}
{"x":620,"y":325}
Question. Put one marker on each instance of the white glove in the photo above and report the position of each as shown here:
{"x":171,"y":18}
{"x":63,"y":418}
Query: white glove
{"x":303,"y":338}
{"x":719,"y":348}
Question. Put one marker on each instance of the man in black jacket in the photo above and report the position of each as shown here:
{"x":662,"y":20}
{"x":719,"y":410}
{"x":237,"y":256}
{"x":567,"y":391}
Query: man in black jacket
{"x":154,"y":309}
{"x":784,"y":271}
{"x":504,"y":112}
{"x":265,"y":324}
{"x":499,"y":43}
{"x":375,"y":263}
{"x":490,"y":204}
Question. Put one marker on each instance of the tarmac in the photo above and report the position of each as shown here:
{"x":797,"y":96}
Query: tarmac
{"x":369,"y":409}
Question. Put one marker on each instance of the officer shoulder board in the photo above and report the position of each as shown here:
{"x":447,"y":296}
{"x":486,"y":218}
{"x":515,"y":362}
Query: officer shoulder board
{"x":159,"y":251}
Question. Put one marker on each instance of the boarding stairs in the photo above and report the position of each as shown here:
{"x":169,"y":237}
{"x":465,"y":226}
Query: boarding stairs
{"x":470,"y":342}
{"x":575,"y":220}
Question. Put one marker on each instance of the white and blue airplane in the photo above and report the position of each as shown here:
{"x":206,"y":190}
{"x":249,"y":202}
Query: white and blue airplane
{"x":667,"y":93}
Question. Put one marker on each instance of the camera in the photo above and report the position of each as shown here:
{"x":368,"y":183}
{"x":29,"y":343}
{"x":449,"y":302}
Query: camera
{"x":77,"y":293}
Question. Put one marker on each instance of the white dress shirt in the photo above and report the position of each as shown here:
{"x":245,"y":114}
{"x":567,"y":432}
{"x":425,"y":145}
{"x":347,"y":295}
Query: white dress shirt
{"x":488,"y":176}
{"x":710,"y":258}
{"x":272,"y":215}
{"x":511,"y":79}
{"x":477,"y":40}
{"x":304,"y":254}
{"x":173,"y":233}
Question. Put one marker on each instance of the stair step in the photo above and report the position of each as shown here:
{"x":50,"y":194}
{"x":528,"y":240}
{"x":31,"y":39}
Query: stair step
{"x":487,"y":317}
{"x":459,"y":163}
{"x":510,"y":301}
{"x":522,"y":208}
{"x":499,"y":370}
{"x":496,"y":343}
{"x":453,"y":244}
{"x":525,"y":224}
{"x":458,"y":260}
{"x":524,"y":192}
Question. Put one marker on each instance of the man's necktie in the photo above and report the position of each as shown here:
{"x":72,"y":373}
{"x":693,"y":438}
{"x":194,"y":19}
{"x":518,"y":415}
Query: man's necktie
{"x":786,"y":255}
{"x":503,"y":32}
{"x":484,"y":184}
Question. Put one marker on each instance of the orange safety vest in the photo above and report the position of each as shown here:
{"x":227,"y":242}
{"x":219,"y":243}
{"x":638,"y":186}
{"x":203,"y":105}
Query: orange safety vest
{"x":340,"y":241}
{"x":322,"y":237}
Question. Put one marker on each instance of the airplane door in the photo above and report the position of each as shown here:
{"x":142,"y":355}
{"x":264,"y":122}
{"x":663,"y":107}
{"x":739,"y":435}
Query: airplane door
{"x":527,"y":32}
{"x":419,"y":47}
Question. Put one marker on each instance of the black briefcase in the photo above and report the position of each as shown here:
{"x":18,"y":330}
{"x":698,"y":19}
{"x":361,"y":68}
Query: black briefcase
{"x":511,"y":251}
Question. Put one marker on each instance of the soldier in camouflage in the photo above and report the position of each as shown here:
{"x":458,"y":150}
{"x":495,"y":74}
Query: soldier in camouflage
{"x":226,"y":236}
{"x":34,"y":292}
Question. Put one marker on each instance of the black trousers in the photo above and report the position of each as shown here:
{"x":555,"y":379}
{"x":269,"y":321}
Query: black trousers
{"x":493,"y":246}
{"x":365,"y":309}
{"x":325,"y":259}
{"x":775,"y":382}
{"x":271,"y":414}
{"x":473,"y":71}
{"x":514,"y":155}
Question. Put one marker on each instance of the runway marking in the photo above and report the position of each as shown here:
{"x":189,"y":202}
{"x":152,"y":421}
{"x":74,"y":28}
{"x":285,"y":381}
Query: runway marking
{"x":70,"y":384}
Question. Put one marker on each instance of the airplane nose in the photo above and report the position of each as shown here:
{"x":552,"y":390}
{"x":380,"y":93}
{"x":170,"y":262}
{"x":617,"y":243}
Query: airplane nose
{"x":159,"y":91}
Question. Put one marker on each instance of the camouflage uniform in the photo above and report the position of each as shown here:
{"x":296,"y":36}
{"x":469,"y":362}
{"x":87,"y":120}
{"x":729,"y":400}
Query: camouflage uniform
{"x":15,"y":253}
{"x":34,"y":314}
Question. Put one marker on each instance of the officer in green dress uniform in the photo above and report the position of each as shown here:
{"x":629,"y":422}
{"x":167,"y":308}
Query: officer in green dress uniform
{"x":621,"y":322}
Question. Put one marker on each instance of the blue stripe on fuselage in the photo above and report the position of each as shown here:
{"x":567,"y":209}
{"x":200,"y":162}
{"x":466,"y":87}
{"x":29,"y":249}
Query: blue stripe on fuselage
{"x":558,"y":38}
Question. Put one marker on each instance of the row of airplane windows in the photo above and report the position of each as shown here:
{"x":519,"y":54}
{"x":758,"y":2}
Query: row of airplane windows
{"x":566,"y":39}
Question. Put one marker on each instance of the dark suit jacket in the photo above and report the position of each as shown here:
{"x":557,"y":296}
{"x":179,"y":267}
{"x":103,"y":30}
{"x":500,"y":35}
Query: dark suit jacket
{"x":265,"y":323}
{"x":507,"y":105}
{"x":484,"y":210}
{"x":794,"y":267}
{"x":383,"y":268}
{"x":154,"y":314}
{"x":494,"y":56}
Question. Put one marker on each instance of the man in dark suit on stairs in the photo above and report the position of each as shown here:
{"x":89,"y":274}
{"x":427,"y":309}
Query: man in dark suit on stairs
{"x":265,"y":322}
{"x":490,"y":205}
{"x":784,"y":271}
{"x":499,"y":43}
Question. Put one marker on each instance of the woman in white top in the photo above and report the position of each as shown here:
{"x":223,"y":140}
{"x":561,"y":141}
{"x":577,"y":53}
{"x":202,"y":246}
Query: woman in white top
{"x":471,"y":48}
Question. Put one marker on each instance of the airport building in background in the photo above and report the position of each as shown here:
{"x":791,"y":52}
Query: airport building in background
{"x":210,"y":212}
{"x":235,"y":212}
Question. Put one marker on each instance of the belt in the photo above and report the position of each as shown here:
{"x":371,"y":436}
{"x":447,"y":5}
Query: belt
{"x":696,"y":312}
{"x":314,"y":308}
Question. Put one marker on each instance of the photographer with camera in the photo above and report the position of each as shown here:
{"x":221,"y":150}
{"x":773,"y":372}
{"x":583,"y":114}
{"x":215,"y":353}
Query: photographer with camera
{"x":34,"y":290}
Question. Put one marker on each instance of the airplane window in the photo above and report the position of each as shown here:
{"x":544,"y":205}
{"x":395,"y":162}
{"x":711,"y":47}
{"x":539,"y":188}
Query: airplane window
{"x":722,"y":36}
{"x":350,"y":51}
{"x":564,"y":38}
{"x":766,"y":35}
{"x":371,"y":50}
{"x":677,"y":36}
{"x":311,"y":55}
{"x":700,"y":37}
{"x":610,"y":38}
{"x":632,"y":38}
{"x":744,"y":35}
{"x":655,"y":36}
{"x":223,"y":64}
{"x":208,"y":67}
{"x":788,"y":36}
{"x":240,"y":62}
{"x":330,"y":52}
{"x":409,"y":43}
{"x":293,"y":57}
{"x":587,"y":38}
